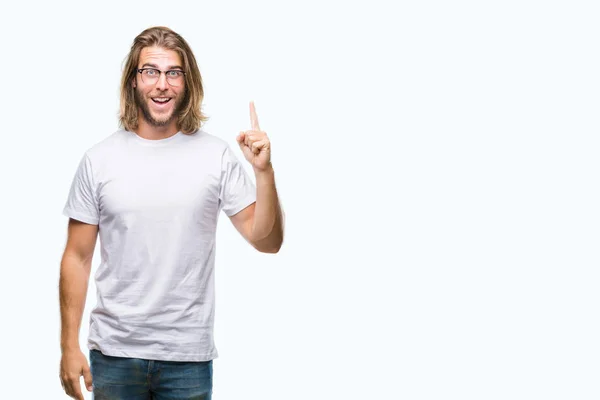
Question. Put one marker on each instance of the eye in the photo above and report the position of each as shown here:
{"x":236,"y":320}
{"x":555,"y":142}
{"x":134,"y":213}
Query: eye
{"x":151,"y":72}
{"x":174,"y":74}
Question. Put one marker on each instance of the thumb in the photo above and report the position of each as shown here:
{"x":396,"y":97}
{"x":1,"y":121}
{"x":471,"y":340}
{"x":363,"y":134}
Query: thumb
{"x":87,"y":378}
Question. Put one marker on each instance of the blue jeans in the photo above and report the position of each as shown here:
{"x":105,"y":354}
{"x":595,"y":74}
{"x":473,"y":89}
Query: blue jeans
{"x":119,"y":378}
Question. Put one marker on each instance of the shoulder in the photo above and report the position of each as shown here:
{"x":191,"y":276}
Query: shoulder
{"x":106,"y":146}
{"x":211,"y":146}
{"x":100,"y":154}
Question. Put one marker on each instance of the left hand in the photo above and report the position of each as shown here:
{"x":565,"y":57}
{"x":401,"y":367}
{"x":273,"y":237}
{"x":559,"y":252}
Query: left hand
{"x":255,"y":144}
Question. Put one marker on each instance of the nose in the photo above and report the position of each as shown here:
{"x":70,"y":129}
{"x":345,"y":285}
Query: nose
{"x":161,"y":83}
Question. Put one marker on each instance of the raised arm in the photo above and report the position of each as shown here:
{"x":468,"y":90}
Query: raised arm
{"x":261,"y":223}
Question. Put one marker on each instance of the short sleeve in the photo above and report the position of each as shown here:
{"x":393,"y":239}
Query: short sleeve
{"x":237,"y":190}
{"x":82,"y":202}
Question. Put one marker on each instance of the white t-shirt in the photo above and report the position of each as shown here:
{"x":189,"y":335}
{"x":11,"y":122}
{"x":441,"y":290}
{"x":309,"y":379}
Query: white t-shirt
{"x":157,"y":203}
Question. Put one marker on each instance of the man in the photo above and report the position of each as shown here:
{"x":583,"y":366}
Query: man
{"x":153,"y":191}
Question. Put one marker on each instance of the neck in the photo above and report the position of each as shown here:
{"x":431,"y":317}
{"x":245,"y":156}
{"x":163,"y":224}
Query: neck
{"x":152,"y":132}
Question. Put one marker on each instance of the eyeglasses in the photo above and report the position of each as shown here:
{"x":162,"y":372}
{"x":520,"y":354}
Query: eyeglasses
{"x":150,"y":76}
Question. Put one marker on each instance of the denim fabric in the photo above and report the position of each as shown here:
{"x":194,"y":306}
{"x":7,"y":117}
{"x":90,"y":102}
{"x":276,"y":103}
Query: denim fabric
{"x":119,"y":378}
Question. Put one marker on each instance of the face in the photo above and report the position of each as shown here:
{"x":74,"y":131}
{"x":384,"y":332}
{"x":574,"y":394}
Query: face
{"x":159,"y":102}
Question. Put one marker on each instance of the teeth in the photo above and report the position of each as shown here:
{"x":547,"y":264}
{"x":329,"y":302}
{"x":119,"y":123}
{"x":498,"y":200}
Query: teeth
{"x":161,"y":99}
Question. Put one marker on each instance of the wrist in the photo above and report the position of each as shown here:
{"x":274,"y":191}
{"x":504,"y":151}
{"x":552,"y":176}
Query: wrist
{"x":67,"y":348}
{"x":266,"y":172}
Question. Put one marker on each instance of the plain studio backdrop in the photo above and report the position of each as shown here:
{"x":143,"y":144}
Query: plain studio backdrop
{"x":438,"y":166}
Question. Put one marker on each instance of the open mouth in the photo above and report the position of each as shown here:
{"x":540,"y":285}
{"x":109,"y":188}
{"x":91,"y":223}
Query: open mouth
{"x":161,"y":100}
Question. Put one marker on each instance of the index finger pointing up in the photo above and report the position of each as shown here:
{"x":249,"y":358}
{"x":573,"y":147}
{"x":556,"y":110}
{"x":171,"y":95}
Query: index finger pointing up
{"x":253,"y":117}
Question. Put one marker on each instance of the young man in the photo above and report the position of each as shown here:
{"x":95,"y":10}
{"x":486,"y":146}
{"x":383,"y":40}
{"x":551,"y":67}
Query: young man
{"x":153,"y":192}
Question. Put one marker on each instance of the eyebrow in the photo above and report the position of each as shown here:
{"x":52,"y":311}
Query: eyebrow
{"x":156,"y":66}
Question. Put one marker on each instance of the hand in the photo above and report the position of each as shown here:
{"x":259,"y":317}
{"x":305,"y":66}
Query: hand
{"x":73,"y":364}
{"x":255,"y":144}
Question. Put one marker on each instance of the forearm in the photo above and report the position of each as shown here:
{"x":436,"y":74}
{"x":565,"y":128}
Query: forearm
{"x":73,"y":285}
{"x":267,"y":229}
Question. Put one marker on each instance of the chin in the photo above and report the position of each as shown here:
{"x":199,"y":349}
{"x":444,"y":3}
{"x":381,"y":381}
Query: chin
{"x":161,"y":119}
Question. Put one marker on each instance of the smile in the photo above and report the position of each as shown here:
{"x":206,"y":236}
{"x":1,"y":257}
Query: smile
{"x":161,"y":100}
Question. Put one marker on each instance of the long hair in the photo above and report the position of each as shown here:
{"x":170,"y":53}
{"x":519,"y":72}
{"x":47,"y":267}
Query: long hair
{"x":191,"y":117}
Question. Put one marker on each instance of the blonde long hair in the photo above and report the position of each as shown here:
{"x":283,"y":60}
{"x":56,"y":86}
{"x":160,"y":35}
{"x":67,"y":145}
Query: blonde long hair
{"x":191,"y":117}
